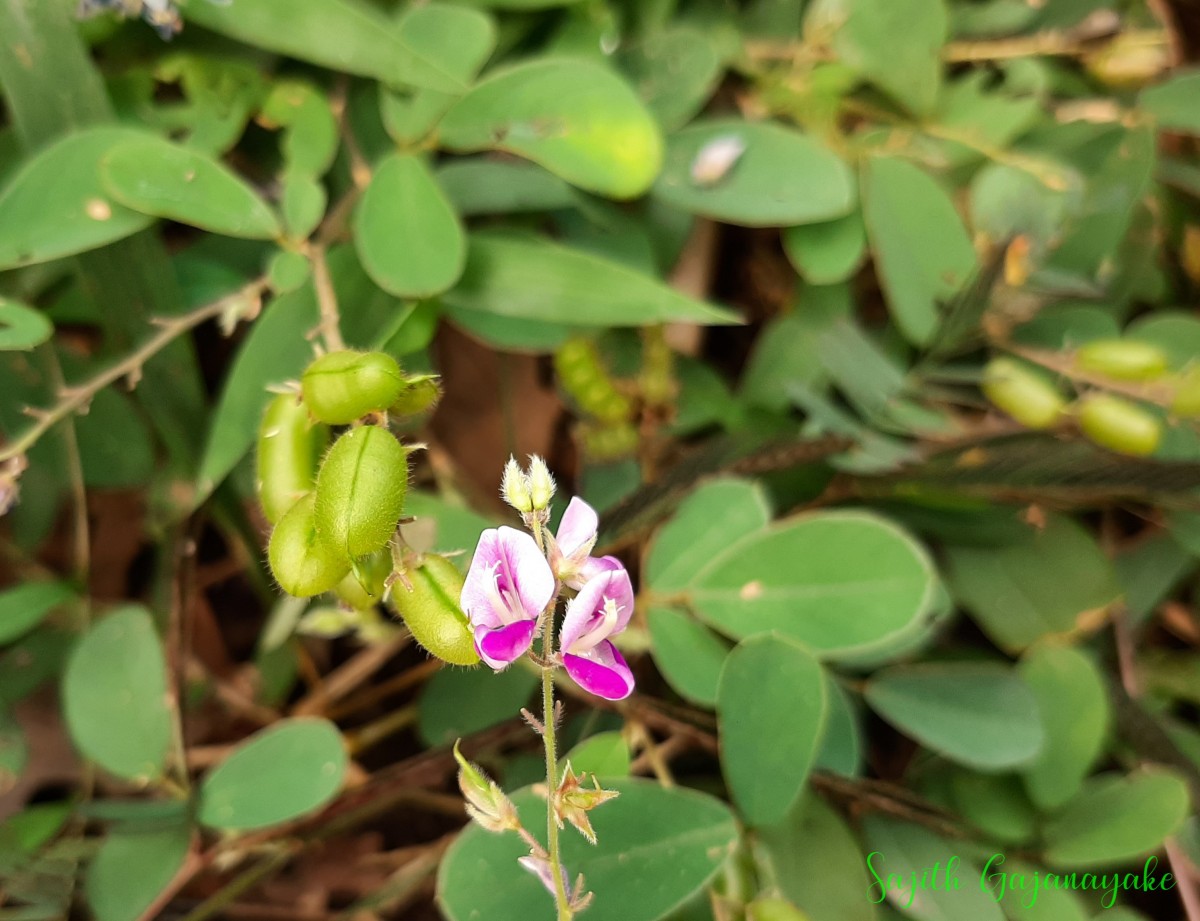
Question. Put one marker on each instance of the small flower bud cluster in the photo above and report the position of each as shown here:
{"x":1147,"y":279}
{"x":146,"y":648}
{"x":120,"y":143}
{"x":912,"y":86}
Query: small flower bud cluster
{"x":486,"y":803}
{"x":528,"y":491}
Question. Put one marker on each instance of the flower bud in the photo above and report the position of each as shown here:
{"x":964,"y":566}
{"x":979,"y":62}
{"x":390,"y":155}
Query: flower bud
{"x":573,"y":801}
{"x":360,"y":490}
{"x":302,"y":562}
{"x":1186,"y":402}
{"x":344,"y":386}
{"x":1122,"y":359}
{"x":1023,"y":394}
{"x":1119,"y":424}
{"x":514,"y":487}
{"x":289,"y":446}
{"x":366,"y":583}
{"x":486,"y":803}
{"x":420,"y":394}
{"x":541,"y":483}
{"x":426,"y":597}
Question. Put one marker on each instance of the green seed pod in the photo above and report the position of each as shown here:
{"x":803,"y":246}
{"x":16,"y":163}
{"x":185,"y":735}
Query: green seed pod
{"x":302,"y":562}
{"x":1023,"y":394}
{"x":429,"y":606}
{"x":289,"y":447}
{"x":1125,"y":360}
{"x":1119,"y":424}
{"x":774,"y":910}
{"x":344,"y":386}
{"x":609,"y":442}
{"x":421,"y":393}
{"x":366,"y":583}
{"x":360,"y":490}
{"x":586,"y":381}
{"x":1186,"y":402}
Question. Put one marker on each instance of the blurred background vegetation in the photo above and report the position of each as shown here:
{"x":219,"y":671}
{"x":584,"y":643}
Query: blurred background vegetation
{"x":868,"y":325}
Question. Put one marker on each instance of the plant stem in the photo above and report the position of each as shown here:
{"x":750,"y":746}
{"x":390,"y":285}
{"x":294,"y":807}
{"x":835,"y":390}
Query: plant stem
{"x":331,"y":324}
{"x":548,"y":737}
{"x":73,"y":398}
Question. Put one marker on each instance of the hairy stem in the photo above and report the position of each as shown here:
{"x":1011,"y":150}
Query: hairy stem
{"x":74,"y":398}
{"x":331,"y":321}
{"x":548,"y":737}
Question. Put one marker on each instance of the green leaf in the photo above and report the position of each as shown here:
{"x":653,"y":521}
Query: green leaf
{"x":1176,"y":332}
{"x":14,"y":756}
{"x":975,"y":713}
{"x":115,"y":695}
{"x":771,"y":710}
{"x":55,"y":205}
{"x":310,"y":139}
{"x":409,"y":239}
{"x":529,"y":278}
{"x":456,"y":703}
{"x":1039,"y":586}
{"x":24,"y":607}
{"x":922,"y":250}
{"x":115,"y":447}
{"x":605,"y":754}
{"x":816,"y":862}
{"x":675,"y":70}
{"x":841,"y":748}
{"x":656,"y":848}
{"x":838,"y":582}
{"x":900,"y":860}
{"x":343,"y":35}
{"x":995,"y":804}
{"x":22,"y":327}
{"x":1072,"y":698}
{"x":291,"y":768}
{"x":781,"y":177}
{"x":896,"y":44}
{"x":1173,"y":102}
{"x":688,"y":654}
{"x":132,"y":868}
{"x":1006,"y":201}
{"x":1116,"y":819}
{"x":575,"y":117}
{"x":442,"y":526}
{"x":477,"y":185}
{"x":162,"y":179}
{"x":829,"y":252}
{"x":707,"y":522}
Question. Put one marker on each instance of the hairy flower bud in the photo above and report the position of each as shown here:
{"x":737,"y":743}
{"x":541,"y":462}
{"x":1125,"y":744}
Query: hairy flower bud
{"x":541,"y":483}
{"x":514,"y":487}
{"x":486,"y":803}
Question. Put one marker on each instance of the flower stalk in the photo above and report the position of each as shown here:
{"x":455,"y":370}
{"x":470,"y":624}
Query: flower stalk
{"x":549,"y":740}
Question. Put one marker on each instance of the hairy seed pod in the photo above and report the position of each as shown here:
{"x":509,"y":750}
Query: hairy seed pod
{"x":1121,"y":359}
{"x":289,"y":447}
{"x":608,"y":442}
{"x":304,"y":564}
{"x":421,"y":393}
{"x":428,"y":603}
{"x":360,"y":490}
{"x":1119,"y":424}
{"x":585,"y":379}
{"x":1026,"y":396}
{"x":366,"y":583}
{"x":344,"y":386}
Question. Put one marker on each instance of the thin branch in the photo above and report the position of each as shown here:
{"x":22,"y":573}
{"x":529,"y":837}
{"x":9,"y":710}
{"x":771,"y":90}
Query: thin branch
{"x":330,"y":328}
{"x":74,"y":398}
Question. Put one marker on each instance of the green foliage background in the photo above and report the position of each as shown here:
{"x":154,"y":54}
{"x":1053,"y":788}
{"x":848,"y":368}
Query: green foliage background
{"x":764,"y":251}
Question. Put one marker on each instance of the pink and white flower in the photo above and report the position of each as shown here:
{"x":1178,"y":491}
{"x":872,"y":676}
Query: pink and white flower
{"x":601,"y":610}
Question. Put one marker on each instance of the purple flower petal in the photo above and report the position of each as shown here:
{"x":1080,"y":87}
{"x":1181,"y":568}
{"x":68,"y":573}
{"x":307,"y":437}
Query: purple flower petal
{"x":594,"y":565}
{"x":509,"y":580}
{"x":601,"y":671}
{"x":587,"y":617}
{"x":540,"y":867}
{"x":577,"y":527}
{"x":501,"y":646}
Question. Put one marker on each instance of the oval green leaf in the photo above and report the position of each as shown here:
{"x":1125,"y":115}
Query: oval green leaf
{"x":345,"y":35}
{"x":456,"y":703}
{"x":780,"y":177}
{"x":1072,"y":697}
{"x":771,"y":709}
{"x":132,"y":868}
{"x":689,"y":655}
{"x":922,"y":250}
{"x":575,"y":117}
{"x":115,"y":695}
{"x":23,"y":608}
{"x":55,"y":205}
{"x":409,"y":239}
{"x":606,"y":754}
{"x":294,"y":767}
{"x":1116,"y":819}
{"x":156,"y":177}
{"x":528,"y":278}
{"x":979,"y":714}
{"x":829,"y":252}
{"x":22,"y":327}
{"x":656,"y":848}
{"x":838,"y":582}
